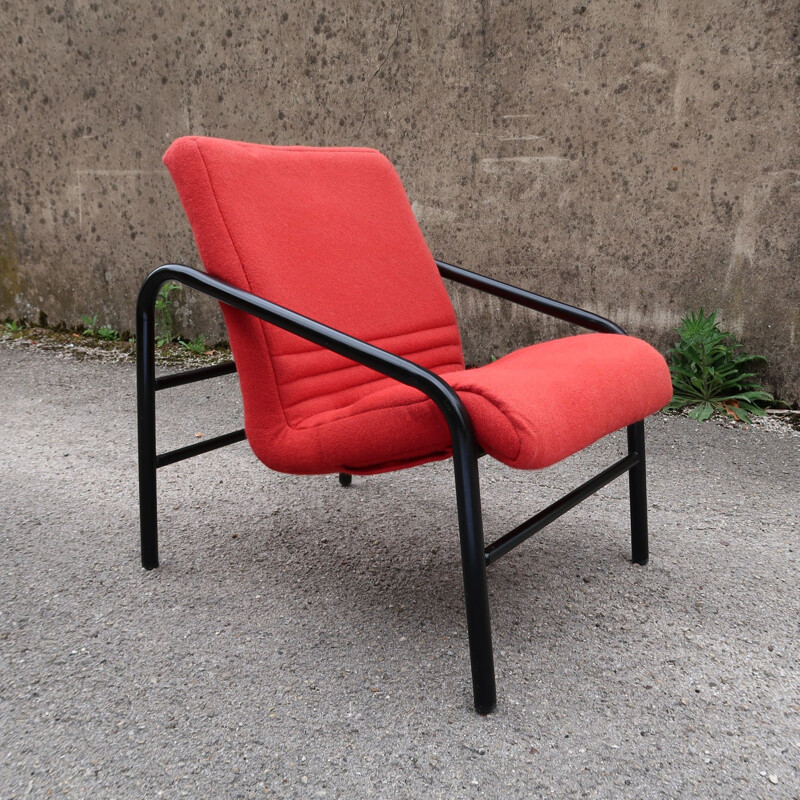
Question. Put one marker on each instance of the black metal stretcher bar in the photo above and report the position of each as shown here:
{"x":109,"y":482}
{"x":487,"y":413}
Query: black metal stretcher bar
{"x":543,"y":518}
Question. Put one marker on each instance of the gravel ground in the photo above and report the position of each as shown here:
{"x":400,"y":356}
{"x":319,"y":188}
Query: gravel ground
{"x":304,"y":640}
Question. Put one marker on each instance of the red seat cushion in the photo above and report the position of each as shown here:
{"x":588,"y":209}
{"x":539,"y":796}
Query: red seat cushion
{"x":329,"y":232}
{"x":530,"y":409}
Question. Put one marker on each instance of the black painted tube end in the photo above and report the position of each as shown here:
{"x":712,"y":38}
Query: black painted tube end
{"x":484,"y":710}
{"x":485,"y":697}
{"x":345,"y":479}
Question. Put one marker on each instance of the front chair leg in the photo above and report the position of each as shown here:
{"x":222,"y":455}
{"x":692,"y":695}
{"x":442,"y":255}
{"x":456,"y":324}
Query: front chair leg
{"x":638,"y":491}
{"x":476,"y":593}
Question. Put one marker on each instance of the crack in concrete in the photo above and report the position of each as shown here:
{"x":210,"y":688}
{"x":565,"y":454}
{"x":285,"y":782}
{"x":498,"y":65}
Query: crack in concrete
{"x":380,"y":67}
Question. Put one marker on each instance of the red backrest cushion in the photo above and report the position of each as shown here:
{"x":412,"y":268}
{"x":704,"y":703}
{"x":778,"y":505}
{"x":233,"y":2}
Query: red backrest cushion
{"x":327,"y":232}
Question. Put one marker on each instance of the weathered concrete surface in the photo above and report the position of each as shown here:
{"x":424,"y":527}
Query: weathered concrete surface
{"x":304,"y":641}
{"x":641,"y":158}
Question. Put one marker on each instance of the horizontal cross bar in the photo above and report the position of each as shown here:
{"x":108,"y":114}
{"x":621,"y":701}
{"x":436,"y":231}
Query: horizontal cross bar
{"x":170,"y":457}
{"x":538,"y":521}
{"x":192,"y":375}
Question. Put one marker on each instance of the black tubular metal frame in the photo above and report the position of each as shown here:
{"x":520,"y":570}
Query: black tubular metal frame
{"x":475,"y":557}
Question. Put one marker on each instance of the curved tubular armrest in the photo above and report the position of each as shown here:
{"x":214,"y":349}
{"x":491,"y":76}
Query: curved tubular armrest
{"x":386,"y":363}
{"x":553,"y":308}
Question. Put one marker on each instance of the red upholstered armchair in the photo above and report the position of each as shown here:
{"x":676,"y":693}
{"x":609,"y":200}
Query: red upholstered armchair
{"x":350,"y":361}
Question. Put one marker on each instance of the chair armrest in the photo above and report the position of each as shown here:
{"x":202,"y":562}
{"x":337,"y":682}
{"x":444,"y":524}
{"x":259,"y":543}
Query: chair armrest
{"x":553,"y":308}
{"x":389,"y":364}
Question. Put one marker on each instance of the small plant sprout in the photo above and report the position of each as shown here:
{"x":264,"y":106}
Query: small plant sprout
{"x":107,"y":333}
{"x":165,"y":314}
{"x":709,"y":373}
{"x":13,"y":325}
{"x":89,"y":324}
{"x":93,"y":329}
{"x":197,"y":346}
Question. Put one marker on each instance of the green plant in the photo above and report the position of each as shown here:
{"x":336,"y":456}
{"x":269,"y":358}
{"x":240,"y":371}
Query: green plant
{"x":165,"y":314}
{"x":709,"y":373}
{"x":197,"y":346}
{"x":91,"y":328}
{"x":89,"y":324}
{"x":107,"y":333}
{"x":14,"y":325}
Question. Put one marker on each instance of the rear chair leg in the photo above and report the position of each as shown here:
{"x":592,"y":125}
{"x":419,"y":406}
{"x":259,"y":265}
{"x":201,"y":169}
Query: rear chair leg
{"x":638,"y":492}
{"x":146,"y":419}
{"x":345,"y":479}
{"x":148,"y":517}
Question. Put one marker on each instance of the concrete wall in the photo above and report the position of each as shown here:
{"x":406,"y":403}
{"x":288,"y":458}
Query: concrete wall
{"x":640,"y":158}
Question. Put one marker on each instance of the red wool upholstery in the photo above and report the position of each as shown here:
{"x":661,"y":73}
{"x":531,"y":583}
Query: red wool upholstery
{"x":329,"y":232}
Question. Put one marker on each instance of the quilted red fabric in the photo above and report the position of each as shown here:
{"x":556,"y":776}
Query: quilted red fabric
{"x":329,"y":232}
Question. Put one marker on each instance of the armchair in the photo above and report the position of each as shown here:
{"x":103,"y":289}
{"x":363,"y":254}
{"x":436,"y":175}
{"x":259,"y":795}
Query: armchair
{"x":349,"y":357}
